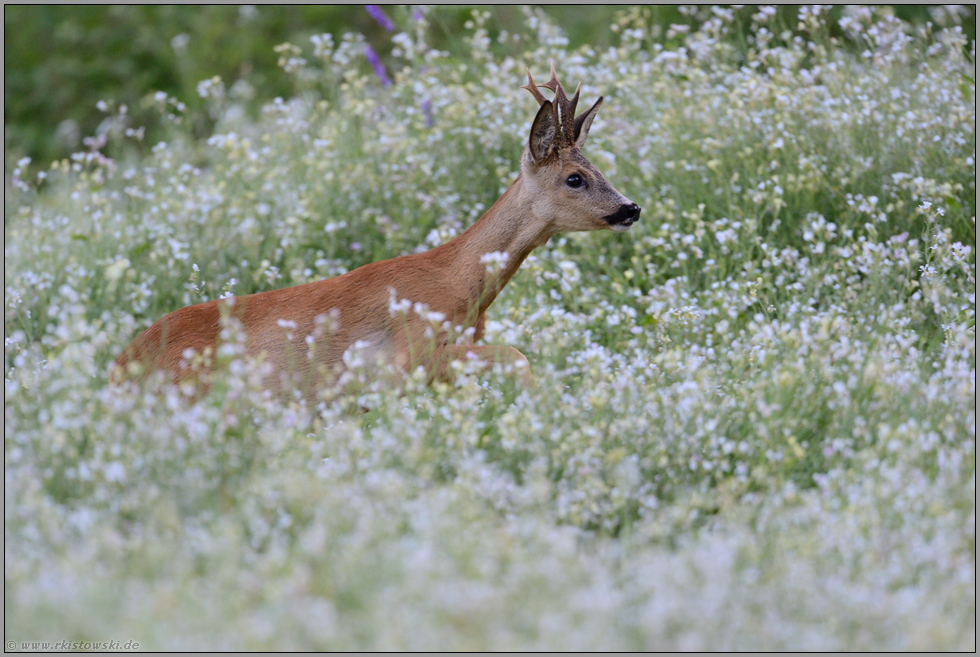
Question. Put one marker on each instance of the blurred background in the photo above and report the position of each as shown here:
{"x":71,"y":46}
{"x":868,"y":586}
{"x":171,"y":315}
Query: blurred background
{"x":61,"y":60}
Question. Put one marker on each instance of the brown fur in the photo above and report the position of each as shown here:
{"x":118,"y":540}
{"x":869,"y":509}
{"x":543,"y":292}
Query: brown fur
{"x":449,"y":279}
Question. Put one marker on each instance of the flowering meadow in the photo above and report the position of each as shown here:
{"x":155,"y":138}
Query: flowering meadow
{"x":752,"y":424}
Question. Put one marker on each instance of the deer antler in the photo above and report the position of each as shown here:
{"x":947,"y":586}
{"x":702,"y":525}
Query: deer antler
{"x":566,"y":107}
{"x":533,"y":88}
{"x":563,"y":106}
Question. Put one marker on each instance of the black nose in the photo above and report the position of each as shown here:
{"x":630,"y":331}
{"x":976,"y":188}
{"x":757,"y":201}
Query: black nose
{"x":627,"y":215}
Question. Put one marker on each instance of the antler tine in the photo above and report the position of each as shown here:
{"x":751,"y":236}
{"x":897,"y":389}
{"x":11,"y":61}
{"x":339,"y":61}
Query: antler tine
{"x":574,"y":101}
{"x":555,"y":86}
{"x":533,"y":88}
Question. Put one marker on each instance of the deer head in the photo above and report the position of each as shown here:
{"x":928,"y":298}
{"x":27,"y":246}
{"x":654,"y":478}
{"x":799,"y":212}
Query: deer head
{"x":568,"y":192}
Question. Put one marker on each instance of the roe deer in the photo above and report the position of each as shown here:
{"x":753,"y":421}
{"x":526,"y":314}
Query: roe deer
{"x":303,"y":332}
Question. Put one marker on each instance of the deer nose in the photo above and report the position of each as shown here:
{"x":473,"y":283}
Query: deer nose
{"x":631,"y":211}
{"x":625,"y":216}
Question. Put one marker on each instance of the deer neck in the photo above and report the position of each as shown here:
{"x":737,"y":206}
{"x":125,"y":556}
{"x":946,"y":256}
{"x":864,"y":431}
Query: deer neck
{"x":510,"y":227}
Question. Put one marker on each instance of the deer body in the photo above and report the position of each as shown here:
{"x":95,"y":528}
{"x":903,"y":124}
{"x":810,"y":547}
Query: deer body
{"x":303,"y":332}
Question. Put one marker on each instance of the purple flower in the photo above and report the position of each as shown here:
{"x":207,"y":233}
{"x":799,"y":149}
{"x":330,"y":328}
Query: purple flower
{"x":378,"y":14}
{"x":427,"y":112}
{"x":379,"y":68}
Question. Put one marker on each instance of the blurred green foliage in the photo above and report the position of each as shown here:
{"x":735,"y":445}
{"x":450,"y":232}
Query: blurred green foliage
{"x":60,"y":60}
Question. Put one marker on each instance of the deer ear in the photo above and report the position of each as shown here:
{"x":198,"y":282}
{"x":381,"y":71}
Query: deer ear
{"x":584,"y":121}
{"x":542,"y":132}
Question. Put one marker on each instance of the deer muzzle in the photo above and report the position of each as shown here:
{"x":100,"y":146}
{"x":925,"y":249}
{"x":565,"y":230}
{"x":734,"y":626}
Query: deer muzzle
{"x":627,"y":215}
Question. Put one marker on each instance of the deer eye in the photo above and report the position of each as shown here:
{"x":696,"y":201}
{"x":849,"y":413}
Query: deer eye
{"x":575,"y":181}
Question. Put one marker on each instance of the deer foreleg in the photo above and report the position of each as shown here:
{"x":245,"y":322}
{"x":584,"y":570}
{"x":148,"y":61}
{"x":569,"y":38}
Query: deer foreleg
{"x":487,"y":355}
